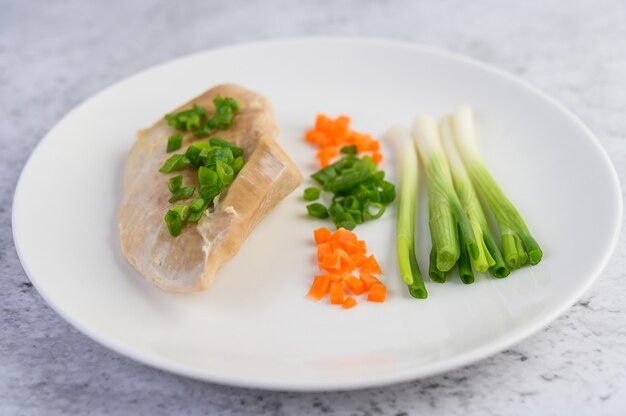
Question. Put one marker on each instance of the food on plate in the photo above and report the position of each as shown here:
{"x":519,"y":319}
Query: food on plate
{"x":489,"y":254}
{"x":518,"y":245}
{"x":460,"y":233}
{"x":356,"y":188}
{"x":245,"y":125}
{"x":341,"y":255}
{"x":334,"y":137}
{"x":448,"y":222}
{"x":407,"y":195}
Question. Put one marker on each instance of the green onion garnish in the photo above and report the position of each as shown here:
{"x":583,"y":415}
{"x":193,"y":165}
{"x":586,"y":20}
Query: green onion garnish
{"x":175,"y":183}
{"x":197,"y":205}
{"x":175,"y":162}
{"x":174,"y":142}
{"x":311,"y":194}
{"x":317,"y":210}
{"x":360,"y":192}
{"x":182,"y":193}
{"x":218,"y":161}
{"x":174,"y":222}
{"x":373,"y":210}
{"x":349,"y":150}
{"x":217,"y":142}
{"x":237,"y":165}
{"x":183,"y":211}
{"x":225,"y":172}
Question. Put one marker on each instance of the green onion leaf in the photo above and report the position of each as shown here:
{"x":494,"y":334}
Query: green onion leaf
{"x":373,"y":210}
{"x":182,"y":193}
{"x":175,"y":183}
{"x":174,"y":222}
{"x":174,"y":142}
{"x":193,"y":154}
{"x":183,"y":211}
{"x":349,"y":150}
{"x":311,"y":194}
{"x":197,"y":205}
{"x":237,"y":165}
{"x":175,"y":162}
{"x":218,"y":142}
{"x":225,"y":172}
{"x":387,"y":192}
{"x":317,"y":210}
{"x":209,"y":183}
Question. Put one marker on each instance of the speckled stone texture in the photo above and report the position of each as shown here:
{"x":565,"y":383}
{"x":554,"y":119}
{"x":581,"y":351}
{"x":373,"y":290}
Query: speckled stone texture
{"x":55,"y":54}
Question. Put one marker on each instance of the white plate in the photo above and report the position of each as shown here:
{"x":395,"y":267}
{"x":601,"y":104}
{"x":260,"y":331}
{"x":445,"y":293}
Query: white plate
{"x":254,"y":327}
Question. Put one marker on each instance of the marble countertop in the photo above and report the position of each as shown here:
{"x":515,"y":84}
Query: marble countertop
{"x":53,"y":55}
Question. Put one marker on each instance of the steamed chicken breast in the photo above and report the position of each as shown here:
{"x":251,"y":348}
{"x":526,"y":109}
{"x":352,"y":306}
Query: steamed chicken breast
{"x":190,"y":261}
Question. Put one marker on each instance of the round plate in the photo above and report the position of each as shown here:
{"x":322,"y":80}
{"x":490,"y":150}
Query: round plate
{"x":255,"y":327}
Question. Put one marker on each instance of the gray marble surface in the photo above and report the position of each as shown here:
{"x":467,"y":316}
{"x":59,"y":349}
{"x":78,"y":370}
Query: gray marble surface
{"x":55,"y":54}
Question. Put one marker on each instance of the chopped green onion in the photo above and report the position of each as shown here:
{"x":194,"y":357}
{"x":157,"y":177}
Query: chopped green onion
{"x":175,"y":162}
{"x":193,"y":154}
{"x":345,"y":181}
{"x":174,"y":222}
{"x":317,"y":210}
{"x":224,"y":172}
{"x":183,"y":211}
{"x":311,"y":194}
{"x":195,"y":216}
{"x":218,"y":142}
{"x":182,"y":193}
{"x":387,"y":192}
{"x":237,"y":165}
{"x":197,"y":205}
{"x":174,"y":142}
{"x":209,"y":183}
{"x":175,"y":183}
{"x":349,"y":150}
{"x":373,"y":210}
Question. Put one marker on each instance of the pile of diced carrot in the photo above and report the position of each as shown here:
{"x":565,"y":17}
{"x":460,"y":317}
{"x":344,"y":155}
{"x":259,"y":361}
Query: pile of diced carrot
{"x":340,"y":255}
{"x":331,"y":135}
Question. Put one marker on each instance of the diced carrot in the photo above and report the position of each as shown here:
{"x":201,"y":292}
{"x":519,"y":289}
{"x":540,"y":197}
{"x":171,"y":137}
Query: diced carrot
{"x":350,"y":302}
{"x":368,"y":280}
{"x":354,"y":284}
{"x":377,"y":293}
{"x":322,"y":122}
{"x":370,"y":265}
{"x":322,"y":235}
{"x":378,"y":157}
{"x":345,"y":260}
{"x":344,"y":236}
{"x":336,"y":277}
{"x":355,"y":247}
{"x":331,"y":262}
{"x":311,"y":136}
{"x":322,"y":250}
{"x":374,"y":146}
{"x":358,"y":258}
{"x":320,"y":287}
{"x":336,"y":293}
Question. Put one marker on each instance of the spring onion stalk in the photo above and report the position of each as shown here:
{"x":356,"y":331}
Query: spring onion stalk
{"x":465,"y":266}
{"x":518,"y":245}
{"x":489,"y":255}
{"x":405,"y":232}
{"x":444,"y":208}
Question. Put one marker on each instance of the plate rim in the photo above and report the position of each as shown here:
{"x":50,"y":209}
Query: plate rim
{"x":413,"y":373}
